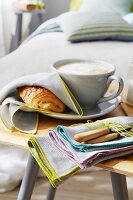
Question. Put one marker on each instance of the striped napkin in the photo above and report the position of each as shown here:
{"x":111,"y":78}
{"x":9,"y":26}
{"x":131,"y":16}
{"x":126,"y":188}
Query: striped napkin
{"x":59,"y":159}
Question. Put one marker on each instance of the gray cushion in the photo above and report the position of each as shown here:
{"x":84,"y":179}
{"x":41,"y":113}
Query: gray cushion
{"x":84,"y":26}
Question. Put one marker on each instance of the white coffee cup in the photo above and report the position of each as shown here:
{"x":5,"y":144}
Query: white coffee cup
{"x":89,"y":81}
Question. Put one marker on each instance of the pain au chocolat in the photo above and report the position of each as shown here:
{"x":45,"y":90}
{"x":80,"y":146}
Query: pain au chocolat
{"x":39,"y":97}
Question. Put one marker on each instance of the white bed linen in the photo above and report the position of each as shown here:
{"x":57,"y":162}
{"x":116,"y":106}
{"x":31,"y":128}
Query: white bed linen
{"x":12,"y":166}
{"x":40,"y":52}
{"x":36,"y":56}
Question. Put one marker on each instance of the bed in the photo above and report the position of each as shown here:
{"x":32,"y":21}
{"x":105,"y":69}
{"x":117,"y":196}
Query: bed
{"x":40,"y":52}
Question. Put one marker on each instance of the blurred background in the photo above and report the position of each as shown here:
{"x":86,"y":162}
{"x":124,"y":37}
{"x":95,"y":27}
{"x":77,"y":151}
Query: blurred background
{"x":30,"y":20}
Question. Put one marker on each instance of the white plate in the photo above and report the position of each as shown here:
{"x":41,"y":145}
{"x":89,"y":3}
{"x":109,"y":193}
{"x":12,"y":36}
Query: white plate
{"x":102,"y":109}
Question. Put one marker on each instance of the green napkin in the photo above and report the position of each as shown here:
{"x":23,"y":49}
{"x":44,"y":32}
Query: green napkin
{"x":14,"y":113}
{"x":54,"y":164}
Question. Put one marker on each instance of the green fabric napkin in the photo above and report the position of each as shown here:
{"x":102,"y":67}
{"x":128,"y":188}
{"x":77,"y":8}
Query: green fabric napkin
{"x":56,"y":166}
{"x":14,"y":113}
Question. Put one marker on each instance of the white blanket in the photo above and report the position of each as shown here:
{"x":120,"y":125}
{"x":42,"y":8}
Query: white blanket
{"x":39,"y":53}
{"x":36,"y":56}
{"x":12,"y":166}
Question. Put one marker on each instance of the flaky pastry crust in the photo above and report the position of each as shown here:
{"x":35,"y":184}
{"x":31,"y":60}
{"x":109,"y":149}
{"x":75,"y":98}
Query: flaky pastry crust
{"x":39,"y":97}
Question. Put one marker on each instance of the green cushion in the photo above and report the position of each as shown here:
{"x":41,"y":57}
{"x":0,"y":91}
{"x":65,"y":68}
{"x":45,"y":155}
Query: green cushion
{"x":121,"y":6}
{"x":84,"y":26}
{"x":75,"y":4}
{"x":124,"y":5}
{"x":132,"y":8}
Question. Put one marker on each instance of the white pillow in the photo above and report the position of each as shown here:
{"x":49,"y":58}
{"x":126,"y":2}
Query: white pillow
{"x":128,"y":18}
{"x":71,"y":21}
{"x":119,"y":6}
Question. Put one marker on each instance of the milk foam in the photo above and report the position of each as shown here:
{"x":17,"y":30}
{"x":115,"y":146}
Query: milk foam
{"x":84,"y":68}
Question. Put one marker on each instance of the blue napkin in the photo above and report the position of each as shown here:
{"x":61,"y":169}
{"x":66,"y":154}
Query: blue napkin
{"x":68,"y":133}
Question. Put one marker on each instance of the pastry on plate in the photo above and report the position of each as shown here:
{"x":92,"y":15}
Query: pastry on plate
{"x":39,"y":97}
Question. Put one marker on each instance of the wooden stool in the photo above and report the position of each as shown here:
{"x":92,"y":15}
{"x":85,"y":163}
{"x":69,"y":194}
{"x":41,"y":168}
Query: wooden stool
{"x":17,"y":26}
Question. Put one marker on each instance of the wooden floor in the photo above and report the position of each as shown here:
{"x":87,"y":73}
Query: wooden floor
{"x":92,"y":184}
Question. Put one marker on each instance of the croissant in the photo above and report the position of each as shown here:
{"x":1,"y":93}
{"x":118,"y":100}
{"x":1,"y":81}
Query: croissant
{"x":39,"y":97}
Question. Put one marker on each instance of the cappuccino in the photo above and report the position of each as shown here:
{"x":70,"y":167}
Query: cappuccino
{"x":88,"y":80}
{"x":91,"y":68}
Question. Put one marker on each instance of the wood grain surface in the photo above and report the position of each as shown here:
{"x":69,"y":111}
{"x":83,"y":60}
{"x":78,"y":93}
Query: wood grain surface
{"x":45,"y":123}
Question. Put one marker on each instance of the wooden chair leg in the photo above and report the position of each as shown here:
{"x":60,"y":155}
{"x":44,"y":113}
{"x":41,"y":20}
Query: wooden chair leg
{"x":119,"y":186}
{"x":29,"y":179}
{"x":51,"y":193}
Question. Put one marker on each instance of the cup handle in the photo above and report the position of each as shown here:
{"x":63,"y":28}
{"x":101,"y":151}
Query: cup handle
{"x":115,"y":93}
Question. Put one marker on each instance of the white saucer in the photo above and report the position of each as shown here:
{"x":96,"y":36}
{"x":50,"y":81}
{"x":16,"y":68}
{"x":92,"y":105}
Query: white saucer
{"x":102,"y":109}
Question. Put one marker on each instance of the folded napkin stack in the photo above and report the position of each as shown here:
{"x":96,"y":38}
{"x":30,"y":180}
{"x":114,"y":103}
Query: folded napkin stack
{"x":60,"y":156}
{"x":15,"y":113}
